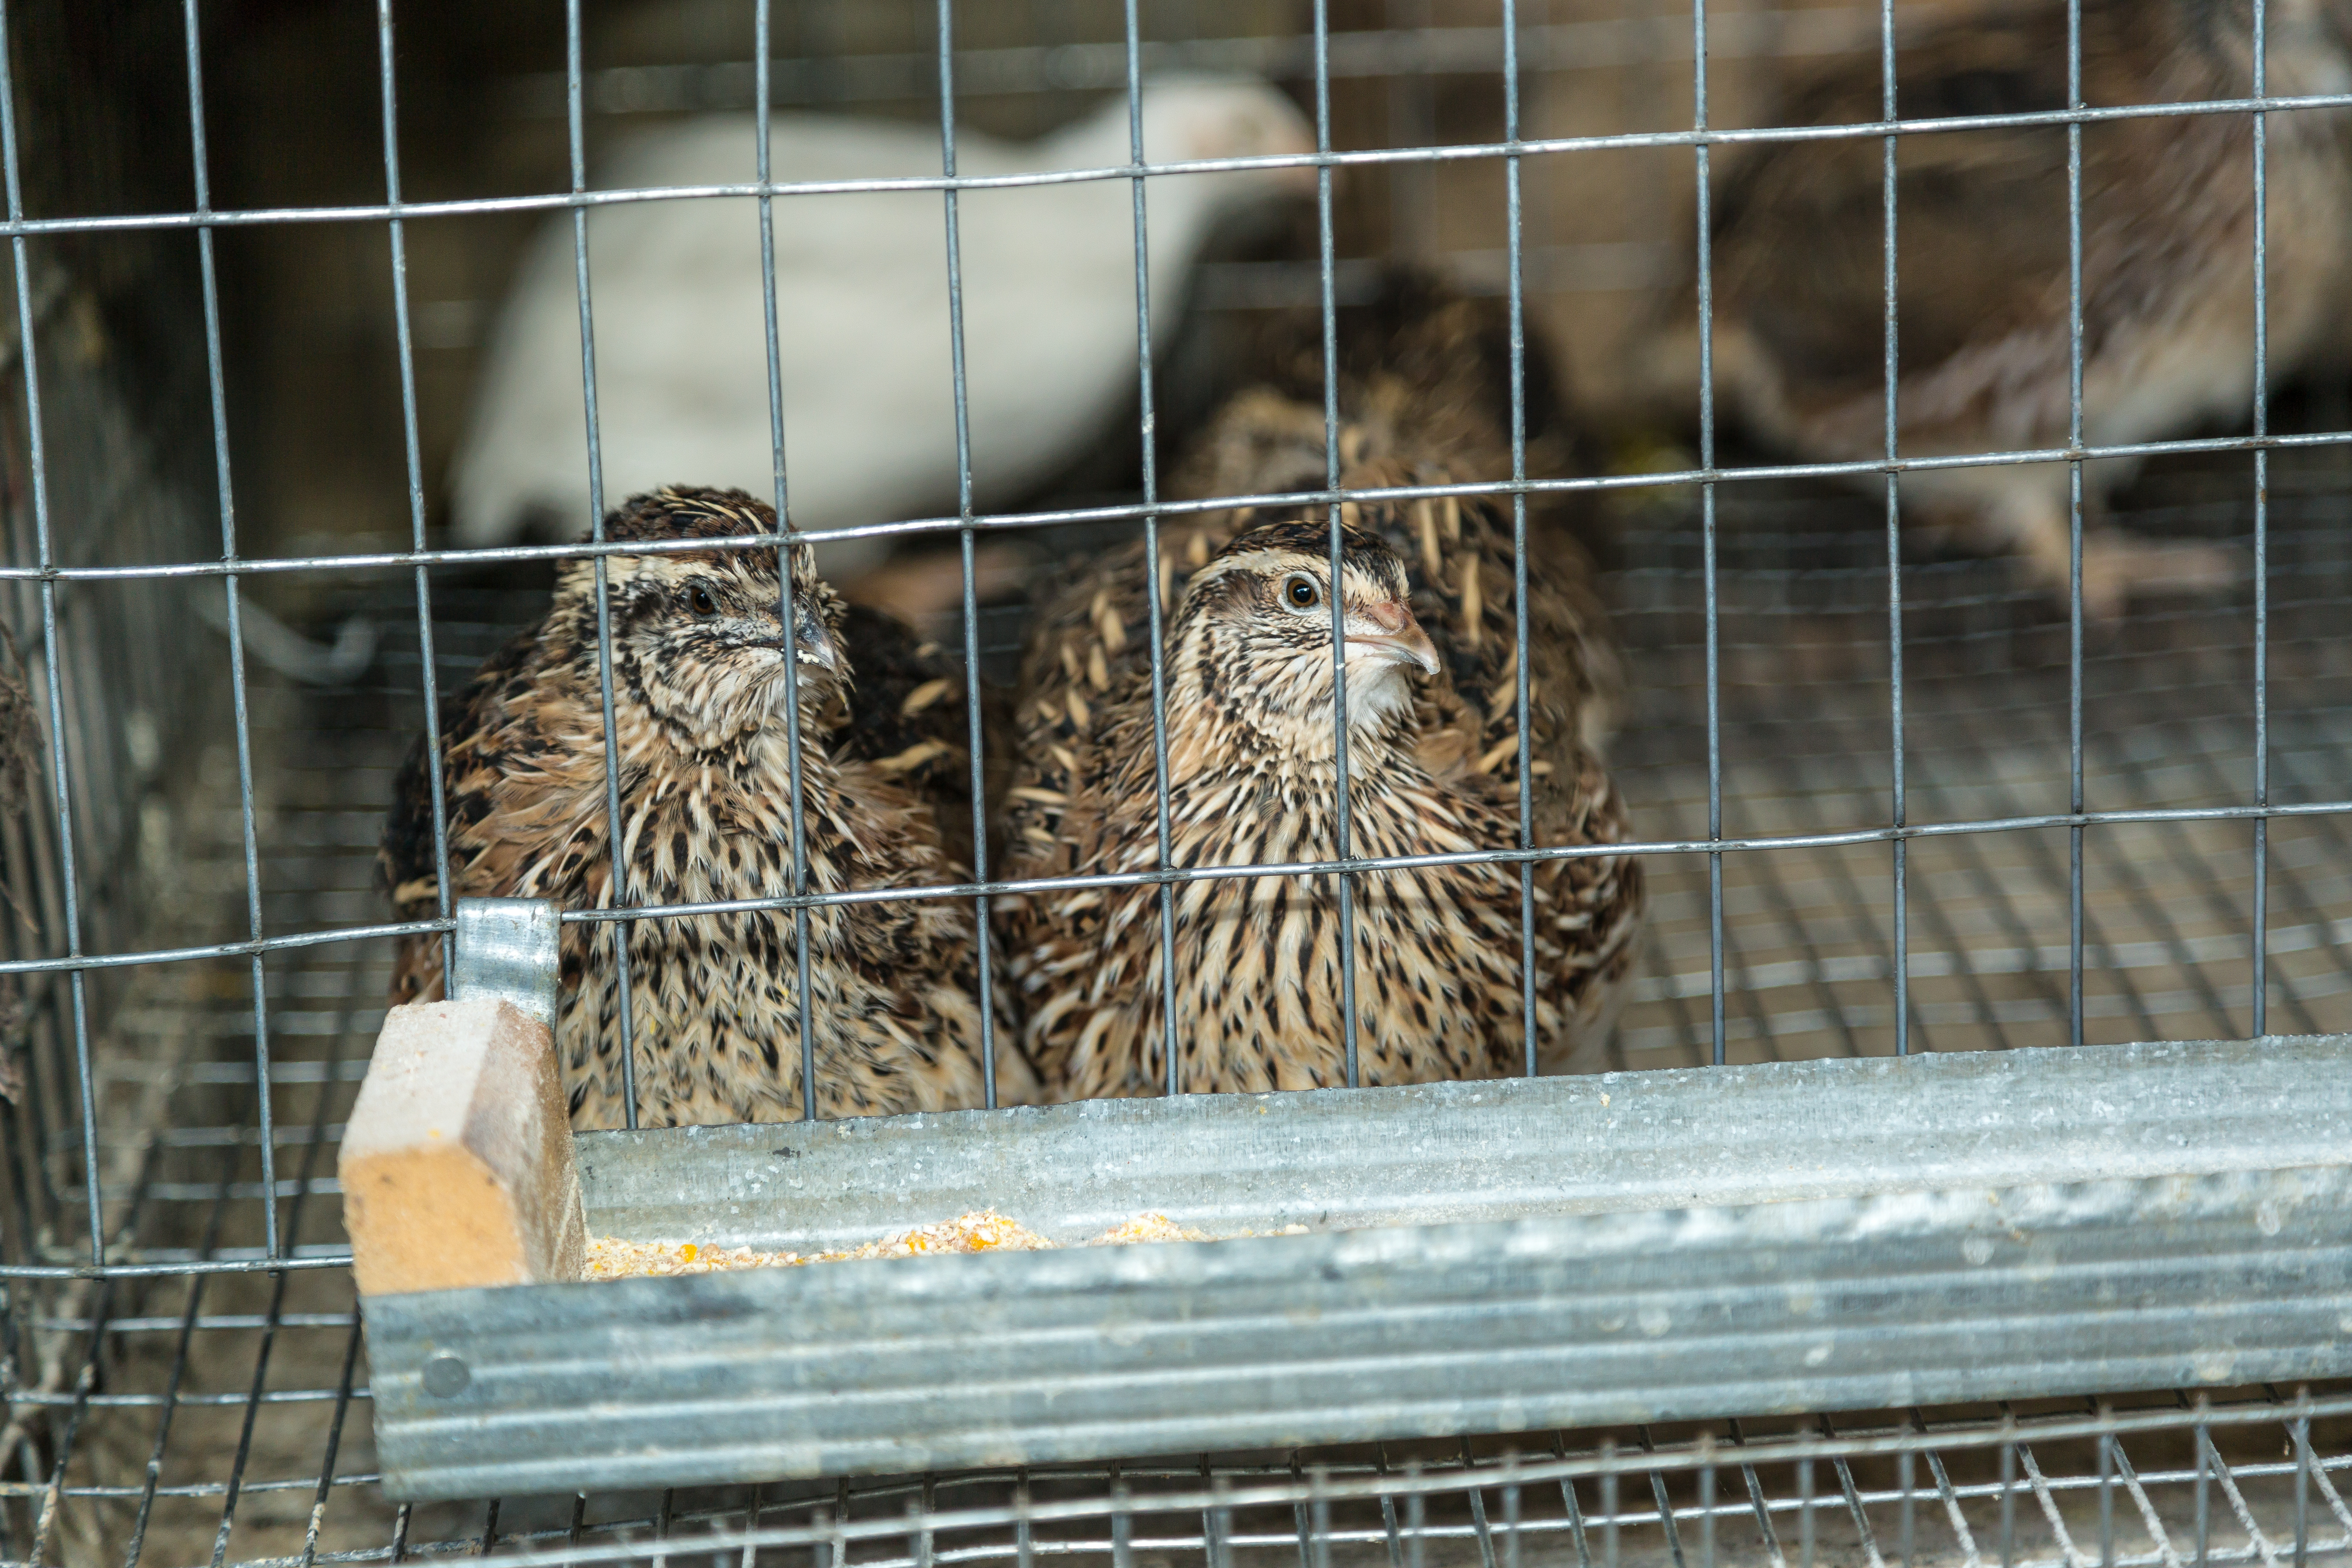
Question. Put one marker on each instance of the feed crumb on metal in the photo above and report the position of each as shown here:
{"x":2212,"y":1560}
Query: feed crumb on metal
{"x":1149,"y":1228}
{"x":981,"y":1230}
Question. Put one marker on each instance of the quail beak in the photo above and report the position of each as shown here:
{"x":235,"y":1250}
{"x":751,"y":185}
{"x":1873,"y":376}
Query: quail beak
{"x":815,"y":646}
{"x":1388,"y":632}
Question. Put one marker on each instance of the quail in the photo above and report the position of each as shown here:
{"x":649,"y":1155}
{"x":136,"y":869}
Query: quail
{"x":1048,"y":275}
{"x":700,"y":642}
{"x":1982,"y":286}
{"x":1433,"y":751}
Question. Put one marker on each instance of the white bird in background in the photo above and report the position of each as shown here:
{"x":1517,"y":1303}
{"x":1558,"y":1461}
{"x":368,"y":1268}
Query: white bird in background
{"x":1048,"y":286}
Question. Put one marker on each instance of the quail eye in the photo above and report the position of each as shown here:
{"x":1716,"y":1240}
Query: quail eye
{"x":700,"y":601}
{"x":1301,"y":592}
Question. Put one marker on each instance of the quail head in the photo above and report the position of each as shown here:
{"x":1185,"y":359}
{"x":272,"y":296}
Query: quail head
{"x":701,"y":641}
{"x":1982,"y":229}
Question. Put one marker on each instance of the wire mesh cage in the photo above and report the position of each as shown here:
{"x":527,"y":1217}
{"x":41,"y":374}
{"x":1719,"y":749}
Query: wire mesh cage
{"x":1889,"y":799}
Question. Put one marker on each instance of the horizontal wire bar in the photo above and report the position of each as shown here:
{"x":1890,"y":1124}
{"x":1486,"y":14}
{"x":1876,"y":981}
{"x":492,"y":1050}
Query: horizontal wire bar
{"x":1493,"y":1473}
{"x":230,"y":1400}
{"x":171,"y":1325}
{"x":564,"y":201}
{"x":253,"y":1261}
{"x":226,"y":949}
{"x":1136,"y":511}
{"x":1022,"y":69}
{"x":1099,"y":1546}
{"x":1843,"y":838}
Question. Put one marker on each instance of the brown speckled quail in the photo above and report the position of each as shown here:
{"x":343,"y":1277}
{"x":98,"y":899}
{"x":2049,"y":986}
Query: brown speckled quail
{"x":1982,"y":251}
{"x":1433,"y":750}
{"x":698,"y":696}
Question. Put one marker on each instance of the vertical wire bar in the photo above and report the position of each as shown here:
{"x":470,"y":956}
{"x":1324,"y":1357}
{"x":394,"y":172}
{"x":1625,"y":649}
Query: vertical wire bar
{"x":1300,"y":1534}
{"x":1153,"y":610}
{"x":752,"y":1513}
{"x":1343,"y":810}
{"x":1900,"y":804}
{"x":1477,"y":1498}
{"x":1416,"y":1518}
{"x":965,"y":535}
{"x":1609,"y":1525}
{"x":2302,"y":1429}
{"x":334,"y":1446}
{"x":1569,"y":1504}
{"x":1904,"y":1463}
{"x":618,"y":825}
{"x":763,"y":19}
{"x":1707,"y":1505}
{"x":795,"y":811}
{"x":1510,"y":1511}
{"x":751,"y":1519}
{"x":1665,"y":1504}
{"x":2204,"y":1492}
{"x":2008,"y":1504}
{"x":2074,"y":518}
{"x":216,"y":385}
{"x":1707,"y":534}
{"x":2260,"y":954}
{"x":404,"y":334}
{"x":2107,"y":1499}
{"x":1805,"y":1527}
{"x":52,"y":650}
{"x":1756,"y":1502}
{"x":1513,"y":216}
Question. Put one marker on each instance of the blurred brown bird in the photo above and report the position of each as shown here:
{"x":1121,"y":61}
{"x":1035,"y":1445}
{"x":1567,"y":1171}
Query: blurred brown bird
{"x":699,"y":643}
{"x":1434,"y":757}
{"x":1982,"y":264}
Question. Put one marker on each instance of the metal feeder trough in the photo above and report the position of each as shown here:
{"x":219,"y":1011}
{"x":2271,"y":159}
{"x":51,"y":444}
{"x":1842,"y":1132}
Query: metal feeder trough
{"x":1481,"y":1257}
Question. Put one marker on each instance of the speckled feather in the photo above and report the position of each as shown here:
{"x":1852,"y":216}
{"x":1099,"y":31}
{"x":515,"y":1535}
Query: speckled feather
{"x":698,"y":700}
{"x":1438,"y":988}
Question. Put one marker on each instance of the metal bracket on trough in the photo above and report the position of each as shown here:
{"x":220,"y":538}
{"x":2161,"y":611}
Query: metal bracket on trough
{"x":506,"y":950}
{"x":1483,"y":1256}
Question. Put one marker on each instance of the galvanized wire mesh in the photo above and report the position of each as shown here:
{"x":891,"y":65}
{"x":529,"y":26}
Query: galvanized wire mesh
{"x":1887,"y":804}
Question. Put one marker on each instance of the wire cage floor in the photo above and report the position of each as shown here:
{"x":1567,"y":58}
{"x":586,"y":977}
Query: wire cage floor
{"x":224,"y":1417}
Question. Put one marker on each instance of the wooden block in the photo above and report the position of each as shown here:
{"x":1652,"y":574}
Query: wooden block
{"x":458,"y":1165}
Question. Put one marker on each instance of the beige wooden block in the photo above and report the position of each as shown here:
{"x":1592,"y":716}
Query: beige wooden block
{"x":458,"y":1164}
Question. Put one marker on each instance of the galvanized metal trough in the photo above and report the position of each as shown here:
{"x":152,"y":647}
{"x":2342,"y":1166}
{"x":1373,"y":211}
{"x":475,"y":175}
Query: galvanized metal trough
{"x":1480,"y":1256}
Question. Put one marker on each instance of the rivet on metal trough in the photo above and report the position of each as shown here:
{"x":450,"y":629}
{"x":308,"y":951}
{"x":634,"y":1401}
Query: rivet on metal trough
{"x":505,"y":949}
{"x":445,"y":1376}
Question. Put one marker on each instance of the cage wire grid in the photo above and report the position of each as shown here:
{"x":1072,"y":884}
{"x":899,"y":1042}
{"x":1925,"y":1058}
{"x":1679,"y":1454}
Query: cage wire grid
{"x":183,"y":1367}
